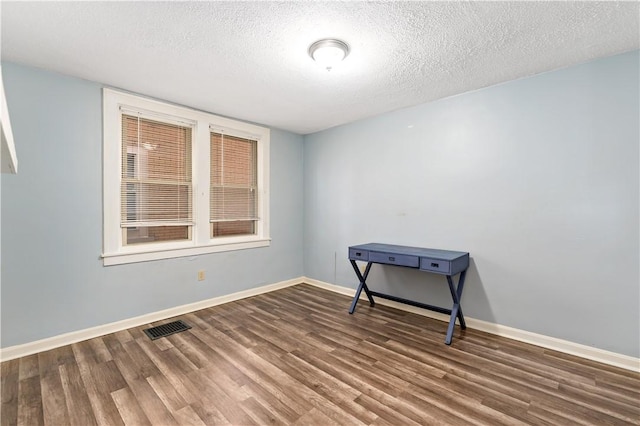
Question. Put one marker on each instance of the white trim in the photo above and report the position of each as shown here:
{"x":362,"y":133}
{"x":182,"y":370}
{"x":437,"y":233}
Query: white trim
{"x":18,"y":351}
{"x":122,"y":258}
{"x":565,"y":346}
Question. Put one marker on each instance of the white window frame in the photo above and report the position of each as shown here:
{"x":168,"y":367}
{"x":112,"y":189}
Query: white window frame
{"x":114,"y":251}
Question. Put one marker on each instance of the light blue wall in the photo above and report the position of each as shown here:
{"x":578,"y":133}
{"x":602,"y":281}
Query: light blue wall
{"x":53,"y":280}
{"x":537,"y":178}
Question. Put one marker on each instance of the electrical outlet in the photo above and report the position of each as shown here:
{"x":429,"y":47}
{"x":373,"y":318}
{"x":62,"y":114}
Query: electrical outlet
{"x":362,"y":267}
{"x":200,"y":275}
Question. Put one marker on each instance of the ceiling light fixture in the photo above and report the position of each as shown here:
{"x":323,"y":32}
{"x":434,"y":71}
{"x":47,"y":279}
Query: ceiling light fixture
{"x":328,"y":52}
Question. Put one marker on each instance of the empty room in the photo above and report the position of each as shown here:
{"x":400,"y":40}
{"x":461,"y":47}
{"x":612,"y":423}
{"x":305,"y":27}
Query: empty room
{"x":320,"y":213}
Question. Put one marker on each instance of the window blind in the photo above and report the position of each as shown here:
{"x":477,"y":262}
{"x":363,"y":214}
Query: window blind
{"x":234,"y":184}
{"x":156,"y":173}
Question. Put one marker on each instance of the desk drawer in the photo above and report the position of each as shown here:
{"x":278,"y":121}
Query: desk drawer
{"x":358,"y":254}
{"x":435,"y":265}
{"x":394,"y":259}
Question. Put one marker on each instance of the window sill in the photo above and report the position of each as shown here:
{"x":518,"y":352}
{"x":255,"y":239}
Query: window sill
{"x":110,"y":259}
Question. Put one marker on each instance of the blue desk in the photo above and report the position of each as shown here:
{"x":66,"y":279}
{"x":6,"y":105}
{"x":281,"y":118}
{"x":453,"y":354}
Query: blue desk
{"x":444,"y":262}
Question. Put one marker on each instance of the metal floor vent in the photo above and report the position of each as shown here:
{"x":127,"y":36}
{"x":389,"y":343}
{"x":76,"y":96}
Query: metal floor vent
{"x":166,"y":329}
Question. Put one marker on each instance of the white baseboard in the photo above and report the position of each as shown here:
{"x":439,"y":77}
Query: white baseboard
{"x":588,"y":352}
{"x":18,"y":351}
{"x":583,"y":351}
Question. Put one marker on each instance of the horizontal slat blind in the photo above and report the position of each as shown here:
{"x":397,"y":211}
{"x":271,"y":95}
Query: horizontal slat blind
{"x":234,"y":178}
{"x":156,"y":173}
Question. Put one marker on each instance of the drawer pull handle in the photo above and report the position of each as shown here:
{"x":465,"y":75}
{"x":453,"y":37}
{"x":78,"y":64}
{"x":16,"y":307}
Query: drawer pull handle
{"x":435,"y":265}
{"x":393,"y":259}
{"x":358,"y":253}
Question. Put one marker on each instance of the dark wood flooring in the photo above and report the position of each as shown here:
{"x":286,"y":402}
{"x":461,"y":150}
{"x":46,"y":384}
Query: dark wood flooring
{"x":295,"y":356}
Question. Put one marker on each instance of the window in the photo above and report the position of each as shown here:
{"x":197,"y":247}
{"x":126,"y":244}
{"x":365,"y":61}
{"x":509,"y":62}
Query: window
{"x":179,"y":182}
{"x":234,"y":185}
{"x":156,"y":181}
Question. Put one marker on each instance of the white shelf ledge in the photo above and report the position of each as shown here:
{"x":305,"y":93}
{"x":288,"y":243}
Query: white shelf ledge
{"x":8,"y":156}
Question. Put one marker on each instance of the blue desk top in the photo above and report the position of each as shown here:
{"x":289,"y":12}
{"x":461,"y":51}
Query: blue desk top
{"x":412,"y":251}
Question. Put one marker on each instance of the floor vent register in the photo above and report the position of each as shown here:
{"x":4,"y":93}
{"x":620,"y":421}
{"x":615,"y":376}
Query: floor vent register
{"x":165,"y":330}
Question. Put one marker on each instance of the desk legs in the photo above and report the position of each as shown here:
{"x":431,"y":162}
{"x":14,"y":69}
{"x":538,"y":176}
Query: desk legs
{"x":456,"y":295}
{"x":362,"y":286}
{"x":456,"y":310}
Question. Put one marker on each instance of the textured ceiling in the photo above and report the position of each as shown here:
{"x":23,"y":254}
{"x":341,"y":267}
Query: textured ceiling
{"x":248,"y":60}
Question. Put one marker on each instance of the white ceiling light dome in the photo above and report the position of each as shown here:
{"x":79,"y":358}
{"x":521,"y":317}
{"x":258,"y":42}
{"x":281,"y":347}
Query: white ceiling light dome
{"x":329,"y":52}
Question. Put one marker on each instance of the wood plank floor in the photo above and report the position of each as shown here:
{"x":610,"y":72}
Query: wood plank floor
{"x":296,"y":357}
